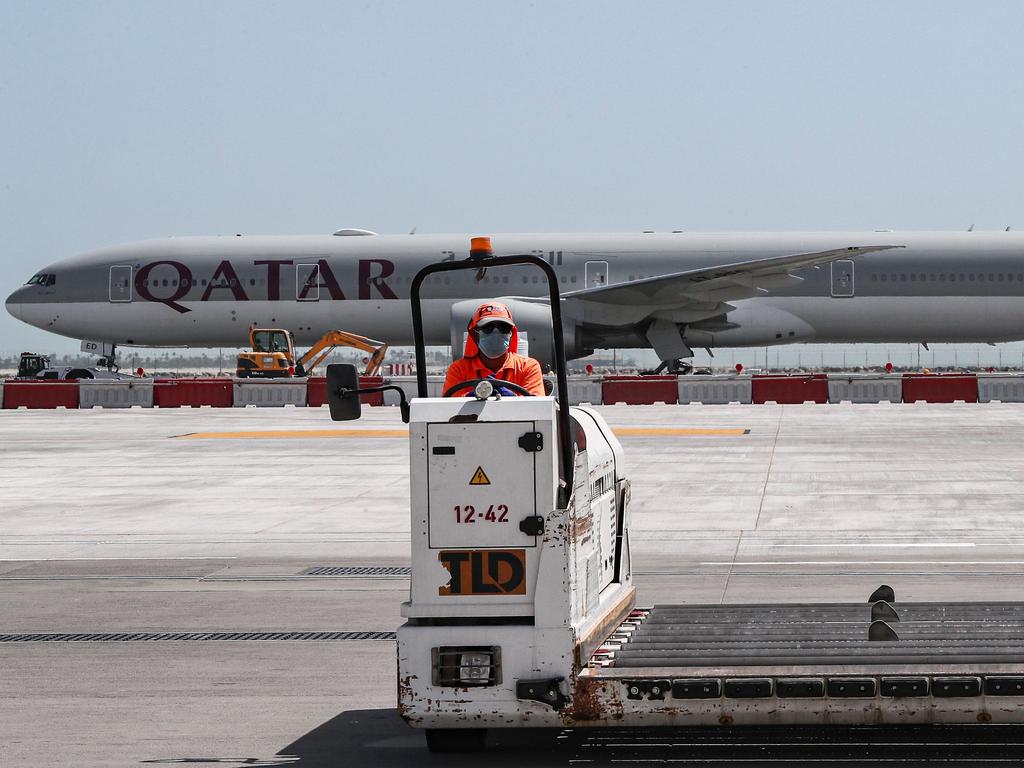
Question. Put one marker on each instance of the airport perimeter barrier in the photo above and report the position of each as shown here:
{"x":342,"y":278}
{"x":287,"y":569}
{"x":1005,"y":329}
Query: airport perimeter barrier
{"x":789,"y":390}
{"x":940,"y":388}
{"x":193,"y":393}
{"x":640,"y":390}
{"x":716,"y":390}
{"x":865,"y":388}
{"x":40,"y":394}
{"x":269,"y":392}
{"x":1003,"y":388}
{"x":127,"y":393}
{"x":316,"y":391}
{"x":586,"y":390}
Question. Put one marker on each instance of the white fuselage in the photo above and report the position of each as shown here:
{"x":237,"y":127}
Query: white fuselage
{"x":207,"y":291}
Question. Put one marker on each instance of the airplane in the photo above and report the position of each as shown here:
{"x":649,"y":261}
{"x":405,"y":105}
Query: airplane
{"x":671,"y":292}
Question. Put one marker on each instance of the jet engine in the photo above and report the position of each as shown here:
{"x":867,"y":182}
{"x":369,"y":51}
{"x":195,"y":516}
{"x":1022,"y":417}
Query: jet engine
{"x":533,"y":319}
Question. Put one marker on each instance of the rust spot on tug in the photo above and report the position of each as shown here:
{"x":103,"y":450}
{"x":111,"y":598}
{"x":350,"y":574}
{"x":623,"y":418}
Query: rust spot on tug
{"x":586,"y":701}
{"x":406,"y":696}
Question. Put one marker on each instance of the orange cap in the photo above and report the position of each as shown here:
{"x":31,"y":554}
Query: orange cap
{"x":480,"y":246}
{"x":491,"y":310}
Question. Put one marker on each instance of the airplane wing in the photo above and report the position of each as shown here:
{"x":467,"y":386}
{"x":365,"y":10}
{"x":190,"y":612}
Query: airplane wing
{"x":714,"y":285}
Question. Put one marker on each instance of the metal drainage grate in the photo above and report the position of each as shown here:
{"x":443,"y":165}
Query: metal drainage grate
{"x":115,"y":637}
{"x":359,"y":571}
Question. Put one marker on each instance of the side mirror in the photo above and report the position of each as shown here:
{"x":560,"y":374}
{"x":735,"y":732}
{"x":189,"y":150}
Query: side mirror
{"x":343,"y":392}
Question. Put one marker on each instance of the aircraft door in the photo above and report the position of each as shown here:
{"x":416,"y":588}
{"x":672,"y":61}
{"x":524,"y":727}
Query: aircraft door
{"x":307,"y":282}
{"x":595,"y":274}
{"x":120,"y":284}
{"x":842,"y":278}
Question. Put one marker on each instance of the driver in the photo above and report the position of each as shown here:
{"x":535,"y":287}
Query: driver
{"x":491,"y":353}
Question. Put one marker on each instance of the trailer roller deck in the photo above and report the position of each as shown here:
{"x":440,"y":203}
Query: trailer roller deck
{"x":814,"y":663}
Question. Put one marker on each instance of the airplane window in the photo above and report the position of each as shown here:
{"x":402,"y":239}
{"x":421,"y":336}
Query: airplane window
{"x":991,"y":277}
{"x":932,"y":277}
{"x":972,"y":278}
{"x":913,"y":277}
{"x":942,"y":277}
{"x":903,"y":278}
{"x":252,"y":281}
{"x":526,"y":279}
{"x":1020,"y":278}
{"x":962,"y":277}
{"x":885,"y":278}
{"x":922,"y":277}
{"x":174,"y":282}
{"x":204,"y":281}
{"x":535,"y":278}
{"x":874,"y":278}
{"x":572,"y":279}
{"x":505,"y":279}
{"x":1001,"y":277}
{"x":981,"y":278}
{"x":165,"y":283}
{"x":233,"y":282}
{"x":51,"y":280}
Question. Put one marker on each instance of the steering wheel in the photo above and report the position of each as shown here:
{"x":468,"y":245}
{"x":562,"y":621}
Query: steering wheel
{"x":496,"y":382}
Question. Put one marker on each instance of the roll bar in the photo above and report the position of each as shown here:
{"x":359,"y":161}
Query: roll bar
{"x":483,"y":261}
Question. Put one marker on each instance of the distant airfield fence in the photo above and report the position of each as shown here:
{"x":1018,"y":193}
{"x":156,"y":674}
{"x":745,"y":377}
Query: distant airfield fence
{"x":595,"y":390}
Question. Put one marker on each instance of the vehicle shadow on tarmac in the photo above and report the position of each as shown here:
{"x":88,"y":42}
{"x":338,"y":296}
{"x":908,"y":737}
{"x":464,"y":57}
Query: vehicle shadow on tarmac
{"x":379,"y":738}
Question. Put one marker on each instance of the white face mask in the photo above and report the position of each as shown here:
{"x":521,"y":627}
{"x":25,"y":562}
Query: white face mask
{"x":493,"y":344}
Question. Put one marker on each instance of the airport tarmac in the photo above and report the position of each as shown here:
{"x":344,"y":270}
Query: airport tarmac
{"x":182,"y":523}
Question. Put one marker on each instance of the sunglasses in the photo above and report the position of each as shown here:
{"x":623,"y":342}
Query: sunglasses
{"x":503,"y":328}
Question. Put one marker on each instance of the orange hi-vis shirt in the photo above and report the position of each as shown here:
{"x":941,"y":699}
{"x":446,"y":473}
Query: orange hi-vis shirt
{"x":524,"y":371}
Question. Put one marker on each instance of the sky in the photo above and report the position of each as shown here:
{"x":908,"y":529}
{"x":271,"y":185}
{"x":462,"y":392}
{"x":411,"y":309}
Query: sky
{"x":122,"y":121}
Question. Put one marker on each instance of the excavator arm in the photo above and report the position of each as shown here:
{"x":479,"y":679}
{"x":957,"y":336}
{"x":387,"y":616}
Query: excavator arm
{"x":326,"y":344}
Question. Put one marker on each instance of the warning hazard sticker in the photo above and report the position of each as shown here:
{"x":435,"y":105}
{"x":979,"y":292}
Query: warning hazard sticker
{"x":479,"y":477}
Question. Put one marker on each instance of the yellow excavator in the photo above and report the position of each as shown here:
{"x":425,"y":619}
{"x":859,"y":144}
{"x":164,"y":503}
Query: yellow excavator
{"x":273,"y":353}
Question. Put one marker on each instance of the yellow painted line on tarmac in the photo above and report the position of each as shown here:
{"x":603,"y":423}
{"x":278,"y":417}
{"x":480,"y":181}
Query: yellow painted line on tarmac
{"x":306,"y":434}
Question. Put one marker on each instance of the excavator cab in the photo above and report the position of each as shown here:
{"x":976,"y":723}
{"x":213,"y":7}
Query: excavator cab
{"x":272,"y":355}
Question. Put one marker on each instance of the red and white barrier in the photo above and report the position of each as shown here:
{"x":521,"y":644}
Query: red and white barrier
{"x":607,"y":390}
{"x":640,"y":390}
{"x":40,"y":394}
{"x":865,"y":388}
{"x":940,"y":388}
{"x":796,"y":389}
{"x":193,"y":393}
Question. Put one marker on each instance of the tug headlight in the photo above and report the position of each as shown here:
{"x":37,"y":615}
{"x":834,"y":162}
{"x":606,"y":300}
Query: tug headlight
{"x":465,"y":666}
{"x":484,"y":390}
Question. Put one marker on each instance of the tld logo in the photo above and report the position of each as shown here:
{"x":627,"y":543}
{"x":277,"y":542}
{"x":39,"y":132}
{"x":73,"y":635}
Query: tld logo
{"x":484,"y":572}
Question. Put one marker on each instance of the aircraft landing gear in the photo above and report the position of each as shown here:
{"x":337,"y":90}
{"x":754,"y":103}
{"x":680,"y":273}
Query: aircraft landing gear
{"x":110,"y":361}
{"x":677,"y":367}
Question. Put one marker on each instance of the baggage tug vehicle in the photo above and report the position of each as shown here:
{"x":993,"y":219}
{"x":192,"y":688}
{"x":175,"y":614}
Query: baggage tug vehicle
{"x":521,"y":609}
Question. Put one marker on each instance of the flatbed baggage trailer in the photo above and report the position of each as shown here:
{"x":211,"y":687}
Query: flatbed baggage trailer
{"x":522,"y":607}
